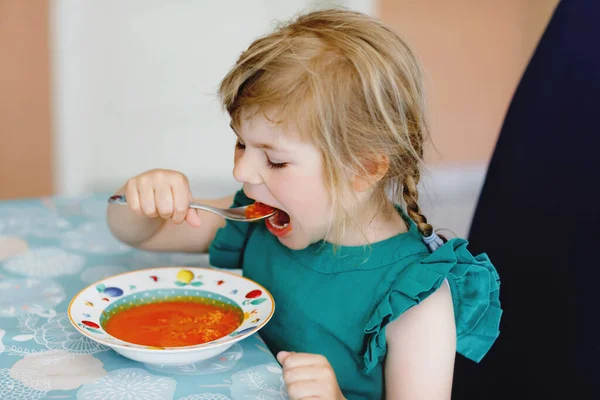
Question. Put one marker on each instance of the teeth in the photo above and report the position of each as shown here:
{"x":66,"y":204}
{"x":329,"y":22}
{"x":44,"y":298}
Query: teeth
{"x":273,"y":221}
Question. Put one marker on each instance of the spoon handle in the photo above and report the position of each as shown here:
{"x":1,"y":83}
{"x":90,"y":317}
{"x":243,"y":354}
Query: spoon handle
{"x":120,"y":199}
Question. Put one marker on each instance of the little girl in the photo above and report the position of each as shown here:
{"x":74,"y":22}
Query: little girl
{"x":371,"y":303}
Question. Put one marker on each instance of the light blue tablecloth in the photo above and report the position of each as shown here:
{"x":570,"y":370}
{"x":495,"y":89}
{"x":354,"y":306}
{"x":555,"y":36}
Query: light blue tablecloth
{"x":50,"y":249}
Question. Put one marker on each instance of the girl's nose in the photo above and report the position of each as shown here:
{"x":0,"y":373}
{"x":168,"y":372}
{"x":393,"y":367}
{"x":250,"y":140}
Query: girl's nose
{"x":245,"y":169}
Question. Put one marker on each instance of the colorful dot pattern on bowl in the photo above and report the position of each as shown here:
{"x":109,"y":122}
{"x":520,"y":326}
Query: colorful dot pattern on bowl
{"x":91,"y":308}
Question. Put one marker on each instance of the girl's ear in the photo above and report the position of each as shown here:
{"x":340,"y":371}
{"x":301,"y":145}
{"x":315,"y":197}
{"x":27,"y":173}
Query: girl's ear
{"x":374,"y":172}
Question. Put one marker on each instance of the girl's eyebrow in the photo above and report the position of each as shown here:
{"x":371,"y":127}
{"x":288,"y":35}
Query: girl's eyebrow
{"x":260,"y":145}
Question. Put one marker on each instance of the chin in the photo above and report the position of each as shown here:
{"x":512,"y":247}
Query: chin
{"x":292,"y":244}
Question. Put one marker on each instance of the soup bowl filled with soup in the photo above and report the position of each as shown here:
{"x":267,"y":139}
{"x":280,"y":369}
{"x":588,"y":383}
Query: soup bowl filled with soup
{"x":171,"y":315}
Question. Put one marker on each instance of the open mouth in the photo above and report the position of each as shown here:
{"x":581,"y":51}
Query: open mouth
{"x":279,"y":224}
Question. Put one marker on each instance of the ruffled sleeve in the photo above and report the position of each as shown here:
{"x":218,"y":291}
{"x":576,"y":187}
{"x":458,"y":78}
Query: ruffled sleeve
{"x":227,"y":248}
{"x":475,"y":287}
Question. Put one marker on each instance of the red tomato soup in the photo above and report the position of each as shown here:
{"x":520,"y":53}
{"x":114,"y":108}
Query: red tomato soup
{"x":173,"y":323}
{"x":257,"y":209}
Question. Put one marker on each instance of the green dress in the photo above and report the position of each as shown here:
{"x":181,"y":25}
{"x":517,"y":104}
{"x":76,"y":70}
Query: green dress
{"x":338,"y":305}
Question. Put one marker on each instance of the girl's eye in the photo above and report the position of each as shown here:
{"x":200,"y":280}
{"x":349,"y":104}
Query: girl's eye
{"x":239,"y":145}
{"x":273,"y":165}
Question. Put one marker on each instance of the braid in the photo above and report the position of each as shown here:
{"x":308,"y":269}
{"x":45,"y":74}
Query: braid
{"x":411,"y":197}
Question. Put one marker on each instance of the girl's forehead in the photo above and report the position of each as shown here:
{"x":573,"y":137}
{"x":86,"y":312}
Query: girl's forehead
{"x":269,"y":128}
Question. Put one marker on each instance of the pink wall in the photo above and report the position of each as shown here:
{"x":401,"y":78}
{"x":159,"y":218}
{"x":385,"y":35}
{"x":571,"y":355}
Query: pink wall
{"x":25,"y":134}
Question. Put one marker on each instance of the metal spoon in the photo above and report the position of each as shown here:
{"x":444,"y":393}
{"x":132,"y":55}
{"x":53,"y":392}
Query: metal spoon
{"x":235,"y":214}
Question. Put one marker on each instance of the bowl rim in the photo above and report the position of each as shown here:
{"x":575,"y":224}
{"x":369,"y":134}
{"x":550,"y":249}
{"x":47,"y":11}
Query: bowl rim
{"x":179,"y":349}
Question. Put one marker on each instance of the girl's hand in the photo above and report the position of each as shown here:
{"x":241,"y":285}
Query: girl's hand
{"x":309,"y":376}
{"x":161,"y":193}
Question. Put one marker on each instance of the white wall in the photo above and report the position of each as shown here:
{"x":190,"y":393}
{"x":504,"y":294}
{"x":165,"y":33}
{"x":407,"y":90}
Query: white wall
{"x":134,"y":87}
{"x":134,"y":84}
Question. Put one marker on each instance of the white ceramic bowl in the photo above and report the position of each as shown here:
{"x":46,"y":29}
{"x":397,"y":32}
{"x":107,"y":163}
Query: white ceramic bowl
{"x":90,"y":309}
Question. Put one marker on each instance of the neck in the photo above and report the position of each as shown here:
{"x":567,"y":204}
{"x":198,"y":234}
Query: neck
{"x":379,"y":226}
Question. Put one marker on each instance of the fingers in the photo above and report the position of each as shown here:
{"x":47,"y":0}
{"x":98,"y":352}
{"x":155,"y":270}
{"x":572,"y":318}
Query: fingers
{"x":308,"y":376}
{"x":163,"y":198}
{"x":305,"y":390}
{"x":146,"y":195}
{"x":140,"y":197}
{"x":292,"y":360}
{"x":181,"y":202}
{"x":133,"y":197}
{"x":298,"y":374}
{"x":192,"y":218}
{"x":161,"y":193}
{"x":282,"y":355}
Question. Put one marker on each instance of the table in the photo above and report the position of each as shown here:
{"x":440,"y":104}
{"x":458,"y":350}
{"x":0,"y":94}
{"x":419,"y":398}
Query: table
{"x":51,"y":248}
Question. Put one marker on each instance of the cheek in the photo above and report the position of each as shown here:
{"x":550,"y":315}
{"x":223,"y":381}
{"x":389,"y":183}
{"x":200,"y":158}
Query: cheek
{"x":306,"y":199}
{"x":315,"y":213}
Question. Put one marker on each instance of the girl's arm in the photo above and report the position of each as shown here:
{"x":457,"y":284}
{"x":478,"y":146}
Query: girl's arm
{"x":157,"y":234}
{"x":421,"y":350}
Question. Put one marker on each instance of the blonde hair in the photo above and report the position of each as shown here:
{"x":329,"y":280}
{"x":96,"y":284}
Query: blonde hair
{"x":353,"y":87}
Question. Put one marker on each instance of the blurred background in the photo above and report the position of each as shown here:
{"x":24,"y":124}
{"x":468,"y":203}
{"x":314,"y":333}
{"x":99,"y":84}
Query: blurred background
{"x":94,"y":92}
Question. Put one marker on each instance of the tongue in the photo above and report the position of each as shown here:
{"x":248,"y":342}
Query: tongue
{"x":282,"y":218}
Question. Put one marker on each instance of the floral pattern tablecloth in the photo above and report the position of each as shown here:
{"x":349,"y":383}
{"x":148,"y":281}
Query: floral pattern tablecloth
{"x":50,"y":249}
